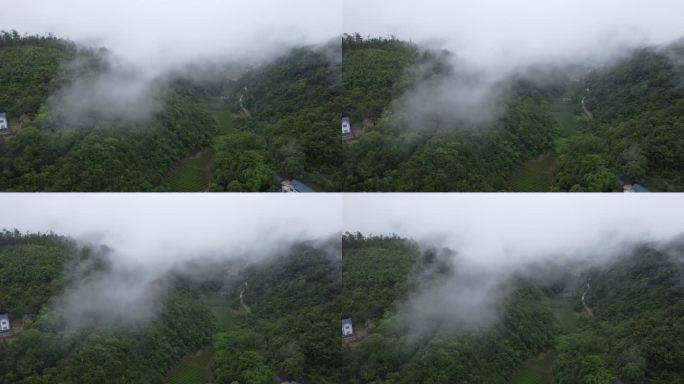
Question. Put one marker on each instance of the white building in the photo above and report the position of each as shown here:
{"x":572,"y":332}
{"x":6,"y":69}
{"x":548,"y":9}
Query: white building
{"x":4,"y":322}
{"x":347,"y":329}
{"x":346,"y":128}
{"x":4,"y":126}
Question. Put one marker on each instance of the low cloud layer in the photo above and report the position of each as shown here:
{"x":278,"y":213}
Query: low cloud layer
{"x":497,"y":38}
{"x":150,"y":39}
{"x":149,"y":236}
{"x":495,"y":236}
{"x":502,"y":34}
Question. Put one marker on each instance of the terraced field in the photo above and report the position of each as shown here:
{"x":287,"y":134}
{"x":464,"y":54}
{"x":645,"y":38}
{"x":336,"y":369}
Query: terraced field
{"x":195,"y":368}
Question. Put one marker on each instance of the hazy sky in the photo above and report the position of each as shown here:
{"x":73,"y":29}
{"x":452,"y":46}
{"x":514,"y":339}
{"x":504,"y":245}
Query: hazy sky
{"x":176,"y":226}
{"x":495,"y":230}
{"x":167,"y":32}
{"x":489,"y":32}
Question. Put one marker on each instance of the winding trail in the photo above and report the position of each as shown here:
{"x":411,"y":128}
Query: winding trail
{"x":587,"y":112}
{"x":590,"y":314}
{"x":242,"y":301}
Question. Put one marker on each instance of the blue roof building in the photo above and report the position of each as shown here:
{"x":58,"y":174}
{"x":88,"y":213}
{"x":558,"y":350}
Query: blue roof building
{"x":300,"y":187}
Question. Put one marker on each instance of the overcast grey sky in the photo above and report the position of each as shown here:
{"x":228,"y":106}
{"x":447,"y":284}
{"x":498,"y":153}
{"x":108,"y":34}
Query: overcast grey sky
{"x":503,"y":32}
{"x":153,"y":227}
{"x":166,"y":32}
{"x":495,"y":230}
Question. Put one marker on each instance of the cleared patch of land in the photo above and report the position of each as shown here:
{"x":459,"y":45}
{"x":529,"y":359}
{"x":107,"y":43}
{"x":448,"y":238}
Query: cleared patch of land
{"x":535,"y":175}
{"x":192,"y":174}
{"x":538,"y":370}
{"x":194,"y":368}
{"x":564,"y":311}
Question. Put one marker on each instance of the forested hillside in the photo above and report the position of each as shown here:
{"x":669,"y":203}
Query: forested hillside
{"x":630,"y":329}
{"x":285,"y":127}
{"x":285,"y":119}
{"x":396,"y":153}
{"x":277,"y":317}
{"x":636,"y":331}
{"x":637,"y":130}
{"x":378,"y":272}
{"x":292,"y":328}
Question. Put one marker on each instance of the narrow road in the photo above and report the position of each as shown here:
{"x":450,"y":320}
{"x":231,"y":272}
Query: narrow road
{"x":587,"y":112}
{"x":245,"y":110}
{"x":584,"y":304}
{"x":242,"y":301}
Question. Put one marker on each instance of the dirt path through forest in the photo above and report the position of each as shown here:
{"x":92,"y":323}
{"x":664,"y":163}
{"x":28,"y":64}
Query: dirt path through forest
{"x":584,"y":304}
{"x":242,"y":301}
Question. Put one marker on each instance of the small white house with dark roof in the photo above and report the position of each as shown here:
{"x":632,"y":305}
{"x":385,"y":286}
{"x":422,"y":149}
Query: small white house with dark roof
{"x":347,"y":329}
{"x":346,"y":128}
{"x":4,"y":322}
{"x":4,"y":126}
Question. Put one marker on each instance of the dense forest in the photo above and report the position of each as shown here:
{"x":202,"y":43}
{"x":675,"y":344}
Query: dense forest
{"x":380,"y":272}
{"x":396,"y":153}
{"x":247,"y":126}
{"x":619,"y":320}
{"x":569,"y":129}
{"x":284,"y":122}
{"x":273,"y":121}
{"x":636,"y":326}
{"x":636,"y":129}
{"x":284,"y":323}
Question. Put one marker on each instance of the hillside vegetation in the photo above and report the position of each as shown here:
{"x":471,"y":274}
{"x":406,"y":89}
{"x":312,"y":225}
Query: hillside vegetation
{"x":288,"y":126}
{"x":435,"y":154}
{"x":200,"y":329}
{"x":542,"y":334}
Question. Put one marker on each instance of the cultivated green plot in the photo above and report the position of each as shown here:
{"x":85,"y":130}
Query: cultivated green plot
{"x":538,"y":370}
{"x":192,"y":174}
{"x":564,"y":312}
{"x":535,"y":175}
{"x":195,"y":368}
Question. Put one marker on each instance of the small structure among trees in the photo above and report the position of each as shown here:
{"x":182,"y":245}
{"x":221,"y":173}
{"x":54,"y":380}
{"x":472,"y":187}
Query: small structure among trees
{"x":346,"y":128}
{"x":347,"y":328}
{"x":4,"y":125}
{"x":5,"y":329}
